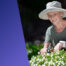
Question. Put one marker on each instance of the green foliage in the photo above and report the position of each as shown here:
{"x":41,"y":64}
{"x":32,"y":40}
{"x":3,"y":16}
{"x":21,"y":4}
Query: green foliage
{"x":32,"y":49}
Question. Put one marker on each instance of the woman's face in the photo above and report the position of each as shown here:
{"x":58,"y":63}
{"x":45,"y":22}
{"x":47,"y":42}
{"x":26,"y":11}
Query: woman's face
{"x":55,"y":17}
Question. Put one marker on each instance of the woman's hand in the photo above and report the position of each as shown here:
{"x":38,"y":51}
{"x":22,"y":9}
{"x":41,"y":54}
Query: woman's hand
{"x":43,"y":51}
{"x":58,"y":46}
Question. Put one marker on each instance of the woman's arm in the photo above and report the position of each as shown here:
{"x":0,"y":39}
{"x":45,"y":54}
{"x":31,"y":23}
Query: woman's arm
{"x":61,"y":44}
{"x":44,"y":49}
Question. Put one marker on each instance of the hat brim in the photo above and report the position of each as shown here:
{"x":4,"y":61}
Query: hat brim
{"x":43,"y":14}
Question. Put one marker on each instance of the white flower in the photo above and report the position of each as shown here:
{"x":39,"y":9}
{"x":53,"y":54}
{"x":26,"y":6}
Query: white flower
{"x":38,"y":59}
{"x":35,"y":64}
{"x":30,"y":61}
{"x":46,"y":62}
{"x":43,"y":64}
{"x":55,"y":56}
{"x":51,"y":54}
{"x":62,"y":57}
{"x":62,"y":62}
{"x":58,"y":65}
{"x":56,"y":61}
{"x":48,"y":54}
{"x":44,"y":57}
{"x":38,"y":53}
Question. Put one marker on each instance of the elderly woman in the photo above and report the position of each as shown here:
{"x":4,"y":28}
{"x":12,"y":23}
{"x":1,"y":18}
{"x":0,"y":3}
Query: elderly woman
{"x":56,"y":33}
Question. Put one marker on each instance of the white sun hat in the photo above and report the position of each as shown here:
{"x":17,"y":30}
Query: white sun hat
{"x":51,"y":7}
